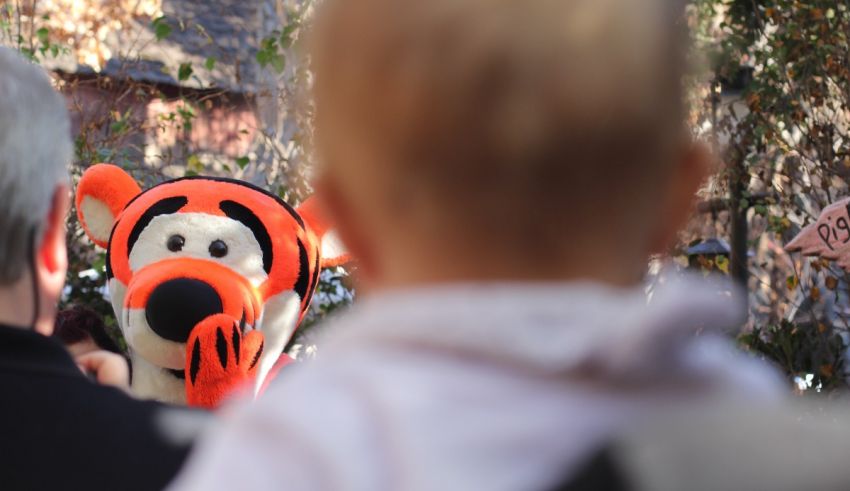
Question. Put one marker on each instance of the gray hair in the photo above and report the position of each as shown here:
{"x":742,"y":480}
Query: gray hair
{"x":35,"y":149}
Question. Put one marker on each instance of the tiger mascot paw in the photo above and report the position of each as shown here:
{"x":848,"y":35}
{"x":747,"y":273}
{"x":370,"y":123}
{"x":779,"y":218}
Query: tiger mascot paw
{"x":221,"y":361}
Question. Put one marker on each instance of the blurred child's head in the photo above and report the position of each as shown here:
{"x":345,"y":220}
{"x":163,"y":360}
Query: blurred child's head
{"x":82,"y":331}
{"x":469,"y":140}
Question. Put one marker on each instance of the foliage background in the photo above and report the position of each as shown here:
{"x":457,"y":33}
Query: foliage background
{"x":775,"y":105}
{"x":106,"y":40}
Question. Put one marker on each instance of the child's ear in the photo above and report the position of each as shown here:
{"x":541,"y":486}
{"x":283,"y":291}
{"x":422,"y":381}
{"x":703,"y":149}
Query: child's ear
{"x":103,"y":192}
{"x":694,"y":166}
{"x":334,"y":252}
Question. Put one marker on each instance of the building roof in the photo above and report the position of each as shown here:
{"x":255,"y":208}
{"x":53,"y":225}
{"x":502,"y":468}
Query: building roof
{"x":227,"y":31}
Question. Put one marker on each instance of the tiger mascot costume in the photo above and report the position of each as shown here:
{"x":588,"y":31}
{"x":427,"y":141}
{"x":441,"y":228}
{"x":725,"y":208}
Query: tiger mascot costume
{"x":208,"y":277}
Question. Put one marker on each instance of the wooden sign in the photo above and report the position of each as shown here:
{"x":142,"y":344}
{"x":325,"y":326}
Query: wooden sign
{"x":828,"y":237}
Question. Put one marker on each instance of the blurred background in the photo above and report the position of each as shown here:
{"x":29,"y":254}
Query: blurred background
{"x":173,"y":88}
{"x":169,"y":88}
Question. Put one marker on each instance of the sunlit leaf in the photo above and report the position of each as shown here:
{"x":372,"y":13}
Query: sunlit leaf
{"x":791,"y":282}
{"x":162,"y":29}
{"x":185,"y":71}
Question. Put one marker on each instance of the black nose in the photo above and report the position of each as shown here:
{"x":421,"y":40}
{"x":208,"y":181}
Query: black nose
{"x":175,"y":306}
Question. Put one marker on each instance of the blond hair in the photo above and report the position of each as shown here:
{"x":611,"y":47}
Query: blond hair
{"x":517,"y":115}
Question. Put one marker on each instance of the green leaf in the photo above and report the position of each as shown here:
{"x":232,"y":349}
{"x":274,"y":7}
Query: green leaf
{"x":263,"y":57}
{"x":268,"y":54}
{"x":43,"y":36}
{"x":278,"y":62}
{"x":194,"y":164}
{"x":185,"y":71}
{"x":118,"y":127}
{"x":283,"y":192}
{"x":722,"y":263}
{"x":99,"y":263}
{"x":268,"y":44}
{"x":161,"y":28}
{"x":209,"y":63}
{"x":286,"y":35}
{"x":288,"y":30}
{"x":242,"y":162}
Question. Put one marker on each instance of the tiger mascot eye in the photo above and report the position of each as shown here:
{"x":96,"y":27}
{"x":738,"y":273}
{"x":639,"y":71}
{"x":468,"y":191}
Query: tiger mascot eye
{"x":208,"y":277}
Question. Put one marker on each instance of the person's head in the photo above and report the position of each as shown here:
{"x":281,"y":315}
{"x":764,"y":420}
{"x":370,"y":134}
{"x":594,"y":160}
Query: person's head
{"x":35,"y":149}
{"x":82,"y":331}
{"x":469,"y":140}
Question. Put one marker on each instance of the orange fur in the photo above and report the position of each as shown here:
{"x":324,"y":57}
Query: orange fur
{"x":111,"y":186}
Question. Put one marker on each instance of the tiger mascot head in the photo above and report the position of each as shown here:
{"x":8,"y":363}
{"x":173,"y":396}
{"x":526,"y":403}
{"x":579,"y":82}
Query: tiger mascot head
{"x":208,"y":277}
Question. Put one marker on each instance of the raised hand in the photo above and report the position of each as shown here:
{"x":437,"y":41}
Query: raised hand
{"x":220,"y":360}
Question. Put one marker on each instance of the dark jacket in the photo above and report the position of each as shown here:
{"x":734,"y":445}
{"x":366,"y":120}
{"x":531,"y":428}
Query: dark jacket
{"x":61,"y":431}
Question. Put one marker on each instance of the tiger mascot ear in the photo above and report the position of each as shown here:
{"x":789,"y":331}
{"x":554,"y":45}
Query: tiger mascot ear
{"x":103,"y":192}
{"x":333,"y":251}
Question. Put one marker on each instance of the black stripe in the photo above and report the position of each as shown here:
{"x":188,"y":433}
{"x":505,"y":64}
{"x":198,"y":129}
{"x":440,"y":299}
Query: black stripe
{"x":303,"y":272}
{"x":195,"y":364}
{"x":289,"y":209}
{"x":221,"y":347}
{"x":165,"y":206}
{"x":109,"y":274}
{"x":244,"y":215}
{"x":315,"y":281}
{"x":181,"y":374}
{"x":257,"y":355}
{"x":237,"y":344}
